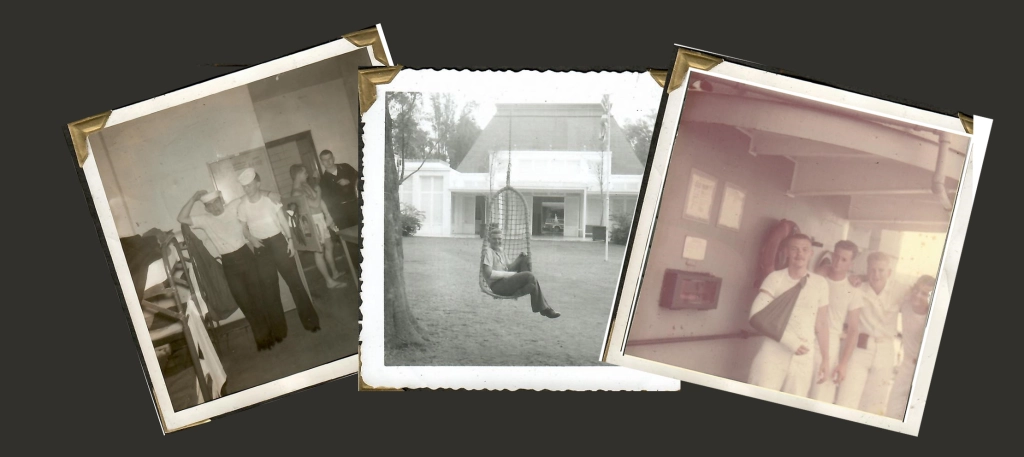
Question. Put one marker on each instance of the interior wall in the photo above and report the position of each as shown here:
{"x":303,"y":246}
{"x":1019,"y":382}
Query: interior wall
{"x":160,"y":160}
{"x":328,"y":108}
{"x":732,"y":255}
{"x":111,"y":187}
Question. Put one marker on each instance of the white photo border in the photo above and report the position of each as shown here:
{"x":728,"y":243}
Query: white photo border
{"x":372,"y":369}
{"x":176,"y":420}
{"x":621,"y":318}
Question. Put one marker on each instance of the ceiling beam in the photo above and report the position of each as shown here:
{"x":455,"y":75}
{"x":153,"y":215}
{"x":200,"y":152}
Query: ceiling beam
{"x":772,"y":144}
{"x":820,"y":126}
{"x":845,"y":176}
{"x":905,"y":209}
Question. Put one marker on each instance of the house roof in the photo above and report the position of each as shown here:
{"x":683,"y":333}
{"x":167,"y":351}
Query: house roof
{"x":549,"y":127}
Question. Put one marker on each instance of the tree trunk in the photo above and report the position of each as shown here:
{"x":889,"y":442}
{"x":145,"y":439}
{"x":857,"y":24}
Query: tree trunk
{"x":400,"y":326}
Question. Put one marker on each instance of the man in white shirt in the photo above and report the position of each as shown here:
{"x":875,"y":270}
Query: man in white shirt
{"x":266,"y":228}
{"x":222,"y":227}
{"x":514,"y":278}
{"x":844,"y":305}
{"x":786,"y":365}
{"x":914,"y":315}
{"x":870,"y":368}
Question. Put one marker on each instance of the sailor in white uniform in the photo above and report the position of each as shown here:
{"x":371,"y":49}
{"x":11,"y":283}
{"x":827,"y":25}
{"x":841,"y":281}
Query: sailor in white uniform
{"x":870,"y":370}
{"x":844,"y":305}
{"x":914,"y":315}
{"x":787,"y":365}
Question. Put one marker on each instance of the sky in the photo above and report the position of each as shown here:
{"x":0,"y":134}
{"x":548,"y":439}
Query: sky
{"x":633,"y":95}
{"x":626,"y":105}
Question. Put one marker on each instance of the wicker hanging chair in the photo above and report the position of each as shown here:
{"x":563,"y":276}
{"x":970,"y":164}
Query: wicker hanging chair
{"x":508,"y":211}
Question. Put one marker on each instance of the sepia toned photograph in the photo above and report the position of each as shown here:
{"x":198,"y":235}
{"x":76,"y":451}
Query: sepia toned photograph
{"x":507,"y":201}
{"x":231,"y":211}
{"x":794,"y":248}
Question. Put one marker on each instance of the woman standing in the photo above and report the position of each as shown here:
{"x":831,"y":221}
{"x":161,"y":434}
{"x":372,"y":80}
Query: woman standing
{"x":266,"y":228}
{"x":321,"y":221}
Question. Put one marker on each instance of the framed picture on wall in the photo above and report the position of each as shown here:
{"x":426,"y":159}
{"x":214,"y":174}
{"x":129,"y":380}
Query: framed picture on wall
{"x":730,"y":212}
{"x":700,"y":196}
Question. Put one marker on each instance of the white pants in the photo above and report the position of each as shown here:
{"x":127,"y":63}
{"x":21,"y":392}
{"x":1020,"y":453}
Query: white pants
{"x":776,"y":367}
{"x":869,"y":376}
{"x":900,"y":394}
{"x":825,"y":391}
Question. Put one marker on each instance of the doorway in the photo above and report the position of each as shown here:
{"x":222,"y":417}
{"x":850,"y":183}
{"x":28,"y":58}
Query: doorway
{"x":548,"y":216}
{"x":291,"y":150}
{"x":481,"y":207}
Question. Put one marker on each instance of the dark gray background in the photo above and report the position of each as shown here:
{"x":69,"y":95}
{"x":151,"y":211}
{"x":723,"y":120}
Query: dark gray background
{"x":74,"y":376}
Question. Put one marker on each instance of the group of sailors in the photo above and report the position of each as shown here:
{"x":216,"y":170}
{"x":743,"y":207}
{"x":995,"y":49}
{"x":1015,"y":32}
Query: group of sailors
{"x":255,"y":242}
{"x":839,"y":345}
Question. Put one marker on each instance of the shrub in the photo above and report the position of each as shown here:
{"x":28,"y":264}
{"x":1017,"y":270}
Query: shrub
{"x":620,"y":228}
{"x":412,"y":219}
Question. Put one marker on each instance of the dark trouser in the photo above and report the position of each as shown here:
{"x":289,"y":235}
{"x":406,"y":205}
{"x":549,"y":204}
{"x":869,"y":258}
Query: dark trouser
{"x":521,"y":284}
{"x":243,"y":278}
{"x":273,"y":259}
{"x":346,"y":214}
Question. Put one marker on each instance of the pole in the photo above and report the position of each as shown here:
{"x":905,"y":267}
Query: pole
{"x":606,"y":234}
{"x":606,"y":168}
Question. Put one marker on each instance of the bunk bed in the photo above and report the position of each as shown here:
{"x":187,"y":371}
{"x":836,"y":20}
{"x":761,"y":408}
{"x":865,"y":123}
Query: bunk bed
{"x":174,"y":294}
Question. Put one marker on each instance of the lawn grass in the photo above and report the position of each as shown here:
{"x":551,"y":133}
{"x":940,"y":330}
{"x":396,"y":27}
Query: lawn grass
{"x":469,"y":328}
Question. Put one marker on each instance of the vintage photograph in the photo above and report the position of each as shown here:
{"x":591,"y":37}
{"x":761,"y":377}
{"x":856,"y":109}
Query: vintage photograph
{"x":796,"y":247}
{"x":231,"y":210}
{"x":507,"y":202}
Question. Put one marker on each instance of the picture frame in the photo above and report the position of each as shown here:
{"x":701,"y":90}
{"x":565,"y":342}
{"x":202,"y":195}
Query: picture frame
{"x":121,"y":156}
{"x":703,"y":88}
{"x":700,"y":196}
{"x":730,"y":213}
{"x":492,"y":367}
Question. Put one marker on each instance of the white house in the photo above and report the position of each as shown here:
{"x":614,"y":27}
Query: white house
{"x":556,"y":153}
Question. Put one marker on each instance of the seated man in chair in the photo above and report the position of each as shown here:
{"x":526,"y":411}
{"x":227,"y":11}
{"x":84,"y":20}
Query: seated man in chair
{"x":513,"y":279}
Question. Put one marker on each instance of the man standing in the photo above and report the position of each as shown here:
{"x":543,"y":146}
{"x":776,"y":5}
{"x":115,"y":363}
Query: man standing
{"x":914,"y":315}
{"x":267,"y":229}
{"x":844,"y":303}
{"x":339,"y":191}
{"x":225,"y":231}
{"x":785,"y":364}
{"x":871,"y":365}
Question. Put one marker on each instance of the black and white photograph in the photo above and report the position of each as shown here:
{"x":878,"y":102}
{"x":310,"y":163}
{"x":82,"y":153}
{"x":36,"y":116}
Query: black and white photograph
{"x":231,"y":213}
{"x":503,"y":202}
{"x":795,"y":243}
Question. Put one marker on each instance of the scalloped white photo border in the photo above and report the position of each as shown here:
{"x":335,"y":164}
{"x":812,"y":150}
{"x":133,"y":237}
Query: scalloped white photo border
{"x":484,"y":83}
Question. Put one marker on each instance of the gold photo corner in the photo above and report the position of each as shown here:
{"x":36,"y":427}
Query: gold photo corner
{"x":363,"y":386}
{"x":686,"y":59}
{"x":967,"y":121}
{"x":369,"y":37}
{"x":659,"y":76}
{"x":80,"y":131}
{"x":369,"y":78}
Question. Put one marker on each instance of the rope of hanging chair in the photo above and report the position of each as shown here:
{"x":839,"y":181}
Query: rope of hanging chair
{"x":512,"y":198}
{"x":508,"y":205}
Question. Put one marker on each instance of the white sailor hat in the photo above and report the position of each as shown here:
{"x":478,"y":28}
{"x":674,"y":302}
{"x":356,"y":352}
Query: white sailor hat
{"x":246,"y":176}
{"x":210,"y":196}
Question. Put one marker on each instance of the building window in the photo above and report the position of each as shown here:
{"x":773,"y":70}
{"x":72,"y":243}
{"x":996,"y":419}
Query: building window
{"x":405,"y":193}
{"x":432,"y":199}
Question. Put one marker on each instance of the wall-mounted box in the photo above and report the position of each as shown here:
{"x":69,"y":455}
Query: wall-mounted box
{"x":690,"y":290}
